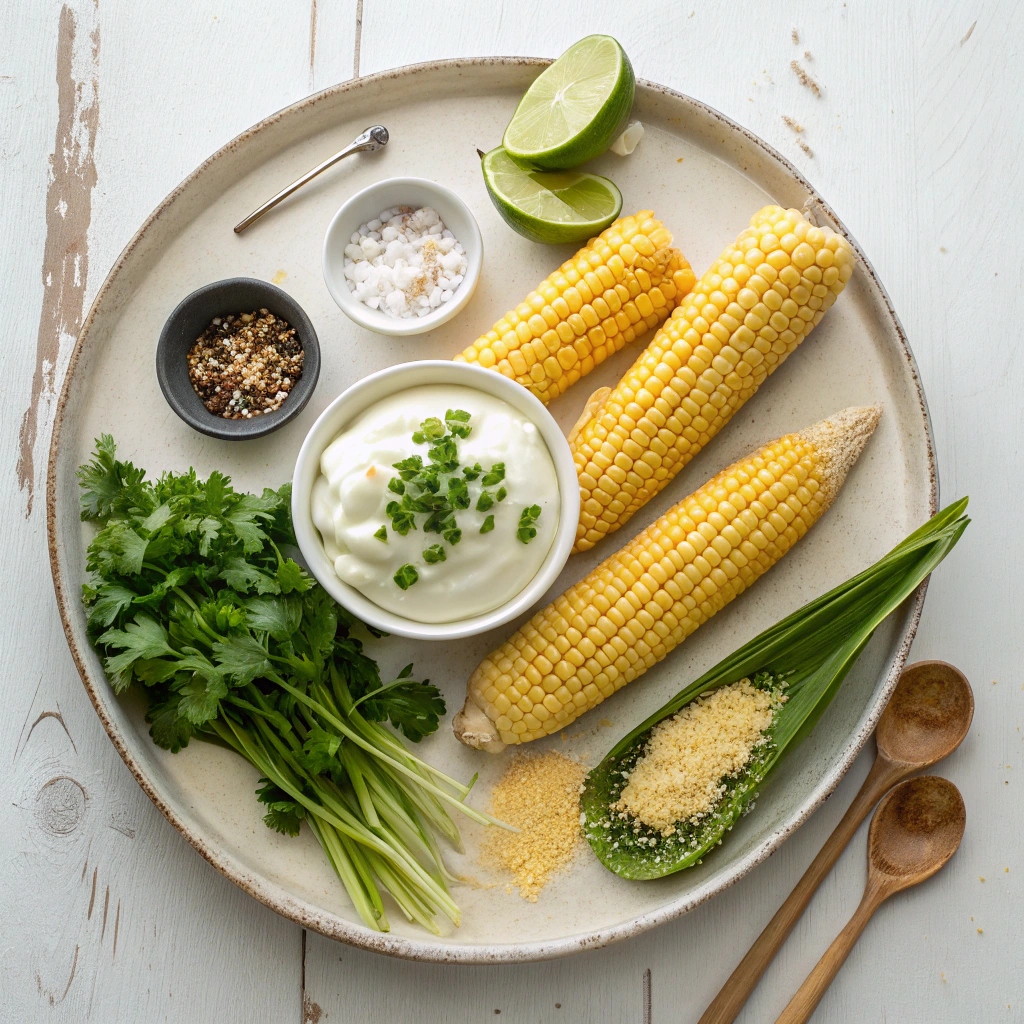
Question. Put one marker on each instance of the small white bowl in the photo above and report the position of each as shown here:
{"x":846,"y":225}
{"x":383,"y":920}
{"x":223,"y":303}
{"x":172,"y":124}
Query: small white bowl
{"x":364,"y":206}
{"x":360,"y":397}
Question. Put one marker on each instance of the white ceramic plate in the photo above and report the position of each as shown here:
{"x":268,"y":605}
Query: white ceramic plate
{"x":704,"y":176}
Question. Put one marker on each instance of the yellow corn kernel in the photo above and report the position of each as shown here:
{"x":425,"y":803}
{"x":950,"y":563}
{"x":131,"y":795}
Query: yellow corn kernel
{"x":617,"y":287}
{"x":740,"y":322}
{"x":642,"y":602}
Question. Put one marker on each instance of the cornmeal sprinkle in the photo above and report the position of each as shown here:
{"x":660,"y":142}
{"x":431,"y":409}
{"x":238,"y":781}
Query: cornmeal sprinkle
{"x":681,"y":775}
{"x":541,"y":797}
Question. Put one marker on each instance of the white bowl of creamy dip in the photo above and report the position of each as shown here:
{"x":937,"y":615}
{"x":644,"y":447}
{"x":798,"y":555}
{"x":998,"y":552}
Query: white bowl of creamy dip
{"x":435,"y":500}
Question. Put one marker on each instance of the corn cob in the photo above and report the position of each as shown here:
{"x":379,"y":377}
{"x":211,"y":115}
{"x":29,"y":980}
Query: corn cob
{"x":618,"y":286}
{"x":745,"y":316}
{"x":639,"y":604}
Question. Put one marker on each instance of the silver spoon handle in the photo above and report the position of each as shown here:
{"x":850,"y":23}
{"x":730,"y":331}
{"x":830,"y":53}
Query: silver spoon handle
{"x":369,"y":141}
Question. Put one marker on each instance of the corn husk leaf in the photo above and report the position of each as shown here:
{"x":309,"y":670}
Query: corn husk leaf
{"x":809,"y":652}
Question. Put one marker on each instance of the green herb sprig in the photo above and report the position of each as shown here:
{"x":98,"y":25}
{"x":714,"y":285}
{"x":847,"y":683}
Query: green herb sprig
{"x":193,"y":599}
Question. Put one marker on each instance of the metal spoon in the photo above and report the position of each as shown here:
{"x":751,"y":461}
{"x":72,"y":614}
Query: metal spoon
{"x":916,"y":829}
{"x":925,"y":720}
{"x":370,"y":141}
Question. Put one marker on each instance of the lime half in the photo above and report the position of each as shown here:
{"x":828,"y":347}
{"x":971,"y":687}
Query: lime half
{"x":575,"y":109}
{"x":550,"y":206}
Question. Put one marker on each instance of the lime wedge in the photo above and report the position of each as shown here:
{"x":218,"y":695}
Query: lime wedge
{"x":575,"y":109}
{"x":550,"y":206}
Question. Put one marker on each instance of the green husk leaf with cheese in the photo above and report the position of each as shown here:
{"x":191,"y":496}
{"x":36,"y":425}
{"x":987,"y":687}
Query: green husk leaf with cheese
{"x":807,"y":654}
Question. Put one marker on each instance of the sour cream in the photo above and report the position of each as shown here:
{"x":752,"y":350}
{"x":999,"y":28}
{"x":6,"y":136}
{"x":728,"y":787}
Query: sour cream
{"x":480,"y":572}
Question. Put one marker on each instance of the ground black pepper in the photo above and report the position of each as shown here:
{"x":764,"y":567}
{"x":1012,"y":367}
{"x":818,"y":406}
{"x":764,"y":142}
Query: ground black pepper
{"x":245,"y":365}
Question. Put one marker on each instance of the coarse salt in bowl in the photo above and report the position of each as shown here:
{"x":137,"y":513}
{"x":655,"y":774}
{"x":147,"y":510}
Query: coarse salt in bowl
{"x":401,"y":196}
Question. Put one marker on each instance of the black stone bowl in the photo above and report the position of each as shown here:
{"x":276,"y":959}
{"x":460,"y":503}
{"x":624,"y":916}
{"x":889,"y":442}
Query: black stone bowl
{"x":192,"y":316}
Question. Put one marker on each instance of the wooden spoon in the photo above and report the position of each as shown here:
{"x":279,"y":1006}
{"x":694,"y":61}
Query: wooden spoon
{"x":926,"y":719}
{"x":916,"y":829}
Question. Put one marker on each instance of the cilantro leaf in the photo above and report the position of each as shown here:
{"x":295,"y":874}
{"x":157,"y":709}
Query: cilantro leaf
{"x":241,"y":657}
{"x":435,"y":553}
{"x":110,"y":487}
{"x":382,"y":534}
{"x":406,"y":576}
{"x":430,"y":430}
{"x":495,"y":475}
{"x":200,"y":698}
{"x":117,"y":549}
{"x":428,"y":479}
{"x":318,"y":752}
{"x":485,"y":501}
{"x":396,"y":485}
{"x":457,"y":421}
{"x":410,"y":706}
{"x":151,"y":671}
{"x":142,"y":638}
{"x":453,"y":536}
{"x":241,"y":575}
{"x":107,"y":601}
{"x":248,"y":517}
{"x":319,"y":624}
{"x":168,"y":729}
{"x":409,"y":467}
{"x":291,"y":577}
{"x":445,"y":455}
{"x":488,"y":525}
{"x":283,"y":815}
{"x":458,"y":492}
{"x":472,"y":472}
{"x":157,"y":519}
{"x":439,"y":521}
{"x":278,"y":616}
{"x":526,"y":531}
{"x":402,"y":519}
{"x":502,"y":494}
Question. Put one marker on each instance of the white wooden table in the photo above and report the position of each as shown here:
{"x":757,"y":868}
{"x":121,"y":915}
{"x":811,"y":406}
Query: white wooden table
{"x":106,"y":914}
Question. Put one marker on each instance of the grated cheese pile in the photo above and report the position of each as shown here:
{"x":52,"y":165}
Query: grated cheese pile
{"x":539,"y":795}
{"x":680,"y":777}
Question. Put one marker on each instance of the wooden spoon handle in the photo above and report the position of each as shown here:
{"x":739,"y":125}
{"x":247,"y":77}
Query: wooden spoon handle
{"x":803,"y":1004}
{"x":725,"y":1007}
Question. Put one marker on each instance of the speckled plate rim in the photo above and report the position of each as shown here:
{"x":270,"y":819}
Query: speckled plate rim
{"x":427,"y":949}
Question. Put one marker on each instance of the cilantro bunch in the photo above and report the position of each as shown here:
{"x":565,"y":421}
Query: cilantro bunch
{"x":192,"y":597}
